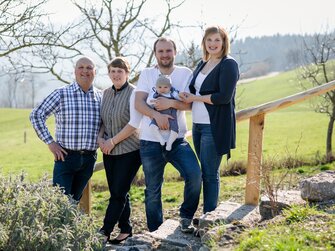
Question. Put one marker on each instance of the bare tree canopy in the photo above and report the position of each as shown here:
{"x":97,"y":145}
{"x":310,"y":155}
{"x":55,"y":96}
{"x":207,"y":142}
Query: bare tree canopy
{"x":321,"y":52}
{"x":105,"y":29}
{"x":20,"y":24}
{"x":124,"y":31}
{"x":27,"y":37}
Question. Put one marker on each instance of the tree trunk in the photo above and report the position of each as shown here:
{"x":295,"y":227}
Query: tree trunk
{"x":329,"y":153}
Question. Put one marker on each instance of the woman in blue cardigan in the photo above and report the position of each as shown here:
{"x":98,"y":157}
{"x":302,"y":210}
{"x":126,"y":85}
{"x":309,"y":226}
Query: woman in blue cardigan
{"x":212,"y":96}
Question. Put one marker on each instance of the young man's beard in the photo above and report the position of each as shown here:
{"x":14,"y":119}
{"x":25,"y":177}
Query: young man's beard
{"x":168,"y":65}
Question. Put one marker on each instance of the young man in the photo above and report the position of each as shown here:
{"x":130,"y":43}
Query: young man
{"x":155,"y":156}
{"x":77,"y":111}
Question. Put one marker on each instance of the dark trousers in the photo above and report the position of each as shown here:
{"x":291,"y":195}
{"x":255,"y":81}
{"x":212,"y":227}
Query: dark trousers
{"x":73,"y":173}
{"x":120,"y":172}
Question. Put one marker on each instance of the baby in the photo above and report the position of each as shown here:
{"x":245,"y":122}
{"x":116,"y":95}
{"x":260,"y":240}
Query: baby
{"x":164,"y":89}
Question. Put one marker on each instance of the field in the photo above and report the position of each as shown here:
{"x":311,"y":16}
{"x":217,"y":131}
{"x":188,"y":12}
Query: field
{"x":296,"y":130}
{"x":292,"y":132}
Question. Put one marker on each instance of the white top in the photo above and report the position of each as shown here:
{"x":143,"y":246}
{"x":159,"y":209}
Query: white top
{"x":180,"y":78}
{"x":135,"y":116}
{"x":199,"y":112}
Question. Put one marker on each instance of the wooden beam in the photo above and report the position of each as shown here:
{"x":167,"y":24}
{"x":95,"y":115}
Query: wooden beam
{"x":256,"y":126}
{"x":284,"y":102}
{"x":86,"y":199}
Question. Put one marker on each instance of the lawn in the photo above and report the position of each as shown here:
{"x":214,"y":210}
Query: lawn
{"x":296,"y":130}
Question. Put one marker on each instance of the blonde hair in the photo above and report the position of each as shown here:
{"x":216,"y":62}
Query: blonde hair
{"x":225,"y":39}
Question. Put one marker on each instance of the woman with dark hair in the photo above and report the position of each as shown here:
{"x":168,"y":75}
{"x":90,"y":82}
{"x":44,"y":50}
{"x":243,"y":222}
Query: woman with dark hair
{"x":212,"y":96}
{"x":118,"y":140}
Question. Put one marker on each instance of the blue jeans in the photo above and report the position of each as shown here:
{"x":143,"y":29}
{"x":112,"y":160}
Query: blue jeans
{"x":210,"y":164}
{"x":74,"y":172}
{"x":154,"y":158}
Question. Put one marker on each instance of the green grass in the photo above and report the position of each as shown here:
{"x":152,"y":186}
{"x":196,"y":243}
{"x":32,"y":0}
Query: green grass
{"x":28,"y":153}
{"x":268,"y":89}
{"x":303,"y":228}
{"x":296,"y":130}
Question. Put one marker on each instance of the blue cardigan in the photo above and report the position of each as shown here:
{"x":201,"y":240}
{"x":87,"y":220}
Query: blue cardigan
{"x":221,"y":84}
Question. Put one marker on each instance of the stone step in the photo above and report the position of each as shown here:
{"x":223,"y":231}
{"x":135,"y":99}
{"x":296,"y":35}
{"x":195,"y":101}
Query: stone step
{"x":228,"y":212}
{"x":167,"y":237}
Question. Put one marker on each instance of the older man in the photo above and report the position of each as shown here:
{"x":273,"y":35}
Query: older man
{"x":77,"y":111}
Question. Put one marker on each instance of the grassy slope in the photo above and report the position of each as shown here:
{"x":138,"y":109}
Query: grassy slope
{"x":294,"y":129}
{"x":297,"y":127}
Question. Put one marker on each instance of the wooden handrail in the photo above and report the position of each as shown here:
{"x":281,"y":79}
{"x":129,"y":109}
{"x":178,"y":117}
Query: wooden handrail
{"x":284,"y":102}
{"x":256,"y":116}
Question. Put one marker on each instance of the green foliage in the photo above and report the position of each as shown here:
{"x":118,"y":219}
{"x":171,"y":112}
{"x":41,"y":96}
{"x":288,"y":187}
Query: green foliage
{"x":215,"y":232}
{"x":37,"y":216}
{"x":170,"y":199}
{"x":298,"y":213}
{"x":324,"y":168}
{"x":300,"y":170}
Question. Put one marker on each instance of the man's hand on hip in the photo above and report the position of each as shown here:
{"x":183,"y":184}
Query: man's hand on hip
{"x":57,"y":151}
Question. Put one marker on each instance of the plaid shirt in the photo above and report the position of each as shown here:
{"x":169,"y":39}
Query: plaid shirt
{"x":77,"y":117}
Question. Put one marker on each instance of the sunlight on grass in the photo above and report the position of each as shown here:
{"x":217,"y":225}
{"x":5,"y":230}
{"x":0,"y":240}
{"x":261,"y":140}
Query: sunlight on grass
{"x":302,"y":228}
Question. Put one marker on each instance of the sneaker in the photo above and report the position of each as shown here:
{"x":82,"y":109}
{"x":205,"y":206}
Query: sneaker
{"x":185,"y":225}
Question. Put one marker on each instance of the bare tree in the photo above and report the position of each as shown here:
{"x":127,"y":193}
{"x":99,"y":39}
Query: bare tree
{"x":11,"y":86}
{"x":19,"y":21}
{"x":105,"y":30}
{"x":125,"y":31}
{"x":192,"y":52}
{"x":190,"y":56}
{"x":320,"y":71}
{"x":27,"y":36}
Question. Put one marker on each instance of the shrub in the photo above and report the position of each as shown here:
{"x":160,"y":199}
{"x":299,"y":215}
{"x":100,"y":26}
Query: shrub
{"x":37,"y":216}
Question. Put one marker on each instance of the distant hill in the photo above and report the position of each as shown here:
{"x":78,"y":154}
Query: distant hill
{"x":260,"y":55}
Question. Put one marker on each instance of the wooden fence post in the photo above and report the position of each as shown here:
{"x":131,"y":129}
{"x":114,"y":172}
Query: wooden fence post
{"x":86,"y":199}
{"x":256,"y":126}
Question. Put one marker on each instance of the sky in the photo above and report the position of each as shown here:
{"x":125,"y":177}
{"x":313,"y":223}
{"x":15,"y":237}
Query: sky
{"x":254,"y":17}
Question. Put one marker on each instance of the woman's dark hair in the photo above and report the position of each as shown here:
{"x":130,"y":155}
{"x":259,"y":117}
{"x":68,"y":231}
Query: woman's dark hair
{"x":119,"y":62}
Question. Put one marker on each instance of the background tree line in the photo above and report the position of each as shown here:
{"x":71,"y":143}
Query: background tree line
{"x":258,"y":56}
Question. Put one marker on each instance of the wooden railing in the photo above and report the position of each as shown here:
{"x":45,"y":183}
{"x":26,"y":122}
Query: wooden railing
{"x":256,"y":116}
